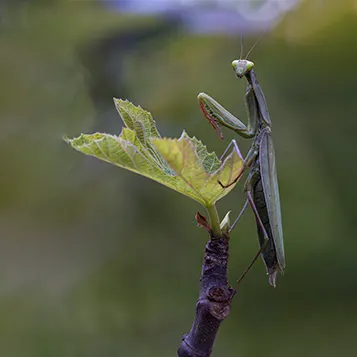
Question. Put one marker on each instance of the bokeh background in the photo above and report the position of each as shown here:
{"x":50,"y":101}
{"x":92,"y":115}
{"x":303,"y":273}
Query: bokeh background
{"x":96,"y":261}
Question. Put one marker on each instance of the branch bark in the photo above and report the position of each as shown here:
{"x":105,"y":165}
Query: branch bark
{"x":213,"y":304}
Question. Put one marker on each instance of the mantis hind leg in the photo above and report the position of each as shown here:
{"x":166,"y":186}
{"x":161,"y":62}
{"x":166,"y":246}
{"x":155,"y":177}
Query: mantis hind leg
{"x":256,"y":197}
{"x":239,"y":216}
{"x":248,"y":188}
{"x":265,"y":241}
{"x":254,"y":175}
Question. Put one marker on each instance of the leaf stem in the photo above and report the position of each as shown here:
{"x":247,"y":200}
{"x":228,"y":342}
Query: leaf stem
{"x":214,"y":220}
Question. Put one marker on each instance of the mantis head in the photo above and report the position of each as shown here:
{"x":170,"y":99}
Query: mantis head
{"x":242,"y":67}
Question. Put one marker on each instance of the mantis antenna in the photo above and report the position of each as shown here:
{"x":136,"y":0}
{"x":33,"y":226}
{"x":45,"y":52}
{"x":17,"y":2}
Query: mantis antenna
{"x":241,"y":47}
{"x":256,"y":42}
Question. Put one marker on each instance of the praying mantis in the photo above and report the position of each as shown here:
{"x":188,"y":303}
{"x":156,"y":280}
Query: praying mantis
{"x":261,"y":186}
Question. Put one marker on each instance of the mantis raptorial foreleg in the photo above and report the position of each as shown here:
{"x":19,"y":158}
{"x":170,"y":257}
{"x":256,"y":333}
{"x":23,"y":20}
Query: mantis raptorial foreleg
{"x":217,"y":115}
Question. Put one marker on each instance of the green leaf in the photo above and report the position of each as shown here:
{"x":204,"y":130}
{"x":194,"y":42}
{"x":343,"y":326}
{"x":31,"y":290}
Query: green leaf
{"x":182,"y":164}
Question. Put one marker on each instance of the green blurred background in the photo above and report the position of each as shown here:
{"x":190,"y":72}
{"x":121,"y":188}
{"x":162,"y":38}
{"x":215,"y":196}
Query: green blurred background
{"x":96,"y":261}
